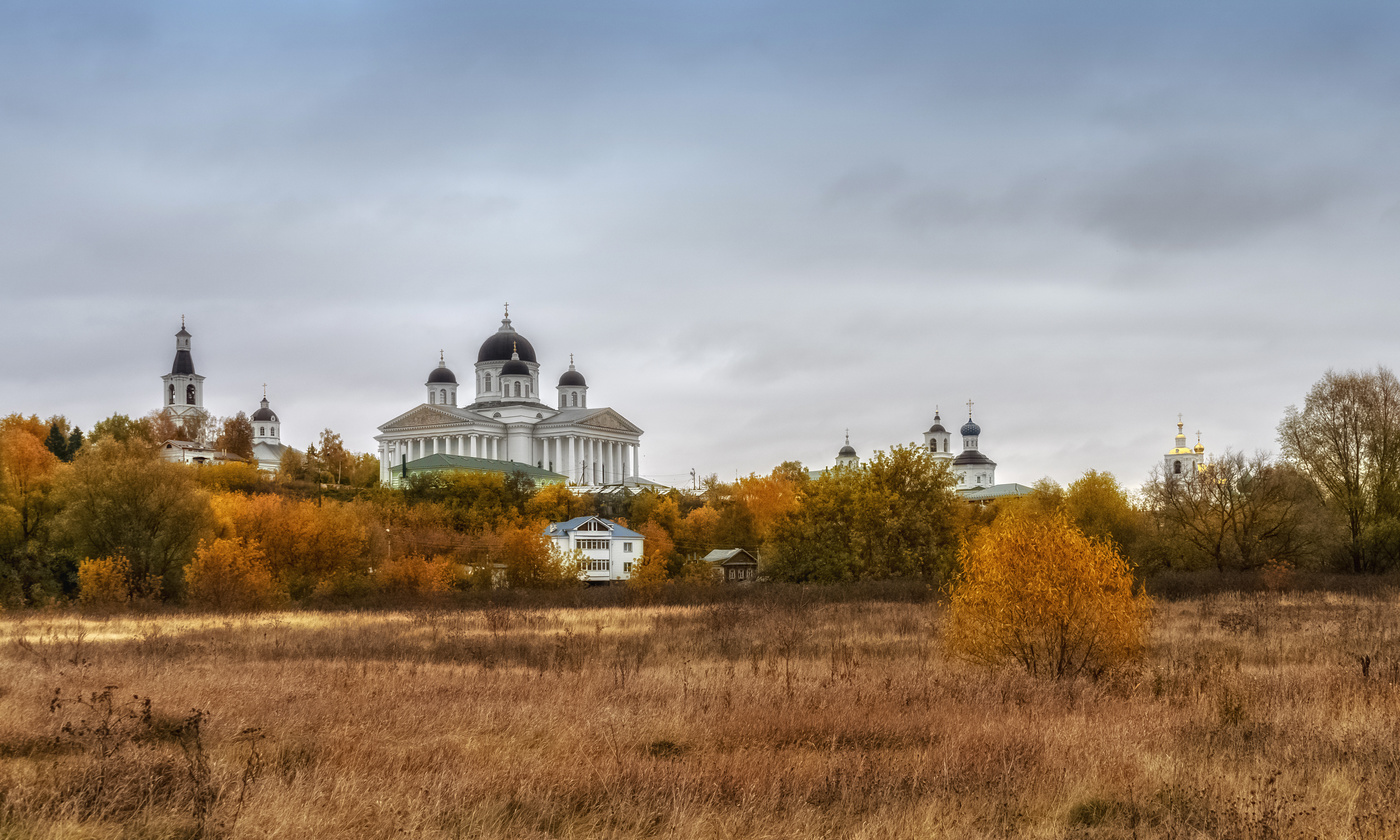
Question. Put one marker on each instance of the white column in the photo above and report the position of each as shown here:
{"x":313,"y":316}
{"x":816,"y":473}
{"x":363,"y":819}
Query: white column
{"x":636,"y":465}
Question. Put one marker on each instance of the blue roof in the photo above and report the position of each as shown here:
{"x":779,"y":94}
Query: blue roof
{"x":556,"y":528}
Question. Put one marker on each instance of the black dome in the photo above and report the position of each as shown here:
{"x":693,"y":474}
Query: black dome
{"x":514,"y":367}
{"x":442,"y":375}
{"x":937,"y":424}
{"x":971,"y":429}
{"x":847,"y":451}
{"x":184,"y":364}
{"x":972,"y":456}
{"x":264,"y":414}
{"x":499,"y":346}
{"x":574,"y":378}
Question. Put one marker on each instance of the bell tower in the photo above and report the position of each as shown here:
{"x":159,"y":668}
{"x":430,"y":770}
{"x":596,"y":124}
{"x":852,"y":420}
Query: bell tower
{"x":182,"y":390}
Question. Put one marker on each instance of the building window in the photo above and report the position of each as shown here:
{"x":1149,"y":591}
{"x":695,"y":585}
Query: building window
{"x":627,"y":548}
{"x":599,"y":565}
{"x":262,"y":431}
{"x":592,"y":545}
{"x":432,"y":398}
{"x":1176,"y":468}
{"x":575,"y":398}
{"x":627,"y":566}
{"x":189,"y":395}
{"x":563,"y":401}
{"x":945,"y":444}
{"x":172,"y":394}
{"x":442,"y":396}
{"x":517,"y":389}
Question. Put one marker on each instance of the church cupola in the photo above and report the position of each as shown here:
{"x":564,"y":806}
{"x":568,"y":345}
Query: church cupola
{"x":182,"y":390}
{"x":938,"y":439}
{"x":499,"y":350}
{"x":442,"y":384}
{"x":972,"y":467}
{"x":266,"y":427}
{"x":516,"y":379}
{"x":1183,"y":461}
{"x":573,"y":388}
{"x":847,"y":456}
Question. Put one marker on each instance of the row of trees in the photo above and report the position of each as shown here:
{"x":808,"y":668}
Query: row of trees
{"x":324,"y":525}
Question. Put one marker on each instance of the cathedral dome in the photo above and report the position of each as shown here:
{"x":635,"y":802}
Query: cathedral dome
{"x":937,"y":424}
{"x":441,"y":374}
{"x":971,"y":429}
{"x":847,"y":451}
{"x":572,"y":377}
{"x":506,"y":340}
{"x":515,"y":367}
{"x":264,"y":414}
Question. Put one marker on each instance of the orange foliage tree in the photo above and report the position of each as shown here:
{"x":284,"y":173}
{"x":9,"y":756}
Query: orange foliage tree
{"x":104,"y":581}
{"x":1035,"y":591}
{"x":26,"y":476}
{"x":532,"y":560}
{"x":230,"y":575}
{"x":306,"y":542}
{"x":417,"y":574}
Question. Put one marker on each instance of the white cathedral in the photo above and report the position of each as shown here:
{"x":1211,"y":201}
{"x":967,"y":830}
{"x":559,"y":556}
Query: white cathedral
{"x":508,"y":422}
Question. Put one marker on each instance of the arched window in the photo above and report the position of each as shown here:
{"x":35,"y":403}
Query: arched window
{"x":945,"y":444}
{"x":1176,"y":468}
{"x":189,"y":395}
{"x":517,"y":389}
{"x":432,"y":398}
{"x":488,"y":382}
{"x":262,"y":431}
{"x":563,"y":401}
{"x":575,"y":399}
{"x":442,"y":396}
{"x":172,"y":394}
{"x":527,"y":389}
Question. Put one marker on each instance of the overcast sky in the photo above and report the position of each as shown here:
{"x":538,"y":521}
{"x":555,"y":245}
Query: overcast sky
{"x":755,"y":224}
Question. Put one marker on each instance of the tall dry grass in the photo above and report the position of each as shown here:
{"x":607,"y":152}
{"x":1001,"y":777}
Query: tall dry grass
{"x":1253,"y":717}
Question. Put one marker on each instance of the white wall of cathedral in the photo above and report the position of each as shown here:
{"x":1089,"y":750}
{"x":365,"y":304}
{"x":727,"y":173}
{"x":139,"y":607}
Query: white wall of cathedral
{"x":267,"y":431}
{"x":939,"y":443}
{"x":1183,"y":464}
{"x":442,"y":394}
{"x":488,"y":380}
{"x":573,"y":396}
{"x":180,"y":392}
{"x":976,"y":476}
{"x":585,"y":460}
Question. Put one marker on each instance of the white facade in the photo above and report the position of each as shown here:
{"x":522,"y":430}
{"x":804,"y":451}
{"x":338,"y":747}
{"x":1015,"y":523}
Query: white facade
{"x":508,"y":421}
{"x":1181,"y":460}
{"x":609,"y":550}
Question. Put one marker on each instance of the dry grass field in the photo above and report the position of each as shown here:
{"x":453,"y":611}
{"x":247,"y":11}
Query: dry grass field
{"x":1252,"y":718}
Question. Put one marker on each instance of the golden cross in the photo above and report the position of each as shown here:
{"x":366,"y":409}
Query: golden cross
{"x":969,"y":409}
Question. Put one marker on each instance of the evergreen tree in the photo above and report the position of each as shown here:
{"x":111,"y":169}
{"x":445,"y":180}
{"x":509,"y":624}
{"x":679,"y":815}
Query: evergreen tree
{"x":75,"y":443}
{"x":57,"y":443}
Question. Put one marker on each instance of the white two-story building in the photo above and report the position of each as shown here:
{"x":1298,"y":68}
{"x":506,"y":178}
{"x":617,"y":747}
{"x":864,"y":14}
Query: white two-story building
{"x":609,"y":550}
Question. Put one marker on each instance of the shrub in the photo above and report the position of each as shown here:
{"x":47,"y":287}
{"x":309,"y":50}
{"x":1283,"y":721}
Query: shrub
{"x":419,"y":574}
{"x":104,"y":581}
{"x":230,"y":575}
{"x":1035,"y":591}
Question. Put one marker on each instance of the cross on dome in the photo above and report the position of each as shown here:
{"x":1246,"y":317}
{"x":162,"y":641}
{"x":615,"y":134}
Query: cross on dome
{"x":969,"y":409}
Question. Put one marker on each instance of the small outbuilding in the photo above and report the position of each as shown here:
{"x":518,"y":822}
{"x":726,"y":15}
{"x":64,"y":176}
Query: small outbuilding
{"x":737,"y":564}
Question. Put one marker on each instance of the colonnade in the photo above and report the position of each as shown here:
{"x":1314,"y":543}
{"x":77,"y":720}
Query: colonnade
{"x":584,"y":460}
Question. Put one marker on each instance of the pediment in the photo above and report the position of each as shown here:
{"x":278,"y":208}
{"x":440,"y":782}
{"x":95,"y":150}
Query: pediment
{"x":610,"y":420}
{"x":425,"y":416}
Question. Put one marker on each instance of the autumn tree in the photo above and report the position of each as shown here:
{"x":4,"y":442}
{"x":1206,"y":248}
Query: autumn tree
{"x":292,"y":465}
{"x":1238,"y":513}
{"x":27,"y":470}
{"x":1346,"y":438}
{"x":531,"y":559}
{"x":123,"y":500}
{"x":230,"y":575}
{"x":333,"y":457}
{"x":122,"y":429}
{"x":1033,"y":590}
{"x":236,"y":436}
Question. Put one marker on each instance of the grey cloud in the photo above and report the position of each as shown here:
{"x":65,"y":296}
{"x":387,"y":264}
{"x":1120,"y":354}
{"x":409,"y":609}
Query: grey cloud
{"x":1186,"y":200}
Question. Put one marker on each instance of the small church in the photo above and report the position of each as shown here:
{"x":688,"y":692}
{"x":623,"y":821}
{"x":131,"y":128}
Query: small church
{"x":183,"y":402}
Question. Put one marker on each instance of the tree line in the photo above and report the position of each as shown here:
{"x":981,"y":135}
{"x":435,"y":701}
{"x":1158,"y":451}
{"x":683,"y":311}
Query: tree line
{"x":102,"y":511}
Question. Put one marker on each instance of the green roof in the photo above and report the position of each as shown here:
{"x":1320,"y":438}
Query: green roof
{"x":441,"y":462}
{"x":995,"y":491}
